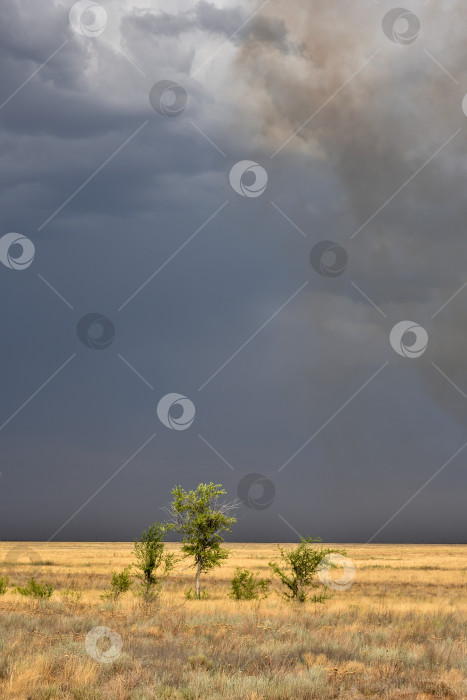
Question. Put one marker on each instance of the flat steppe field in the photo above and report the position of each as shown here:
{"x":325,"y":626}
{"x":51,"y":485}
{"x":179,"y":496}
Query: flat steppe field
{"x":398,"y":632}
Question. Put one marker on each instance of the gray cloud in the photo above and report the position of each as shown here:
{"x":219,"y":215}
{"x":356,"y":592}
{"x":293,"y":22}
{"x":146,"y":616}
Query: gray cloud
{"x":373,"y":135}
{"x":233,"y":23}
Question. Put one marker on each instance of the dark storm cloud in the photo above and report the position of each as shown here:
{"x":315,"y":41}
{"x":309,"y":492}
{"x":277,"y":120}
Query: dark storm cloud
{"x":234,"y":23}
{"x":192,"y":316}
{"x":375,"y":134}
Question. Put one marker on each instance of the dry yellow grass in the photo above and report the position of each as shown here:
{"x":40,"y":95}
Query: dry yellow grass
{"x":398,"y":632}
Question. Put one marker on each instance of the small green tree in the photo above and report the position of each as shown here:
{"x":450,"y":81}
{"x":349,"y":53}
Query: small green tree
{"x":152,"y":563}
{"x":299,"y":569}
{"x":4,"y":581}
{"x":119,"y":584}
{"x":201,"y":520}
{"x":247,"y":586}
{"x":35,"y":589}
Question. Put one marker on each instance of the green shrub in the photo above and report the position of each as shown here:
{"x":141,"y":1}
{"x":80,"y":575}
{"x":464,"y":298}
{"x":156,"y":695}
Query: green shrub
{"x":247,"y":586}
{"x":35,"y":589}
{"x":152,"y":564}
{"x":4,"y":581}
{"x":200,"y":662}
{"x":190,"y":594}
{"x":299,"y":568}
{"x":119,"y":584}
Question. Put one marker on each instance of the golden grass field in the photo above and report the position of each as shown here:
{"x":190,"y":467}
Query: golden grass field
{"x":398,"y":632}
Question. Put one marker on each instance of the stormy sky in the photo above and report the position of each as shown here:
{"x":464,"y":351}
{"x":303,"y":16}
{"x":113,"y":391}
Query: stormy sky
{"x":223,"y":214}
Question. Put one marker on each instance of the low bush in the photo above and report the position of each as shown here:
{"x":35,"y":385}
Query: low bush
{"x":247,"y":586}
{"x":35,"y":589}
{"x":200,"y":662}
{"x":190,"y":594}
{"x":299,"y":569}
{"x":119,"y":584}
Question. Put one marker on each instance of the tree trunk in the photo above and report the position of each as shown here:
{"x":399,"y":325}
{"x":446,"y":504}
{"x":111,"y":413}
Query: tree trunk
{"x":198,"y":574}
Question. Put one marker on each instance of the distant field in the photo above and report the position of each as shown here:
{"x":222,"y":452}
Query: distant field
{"x":398,"y":632}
